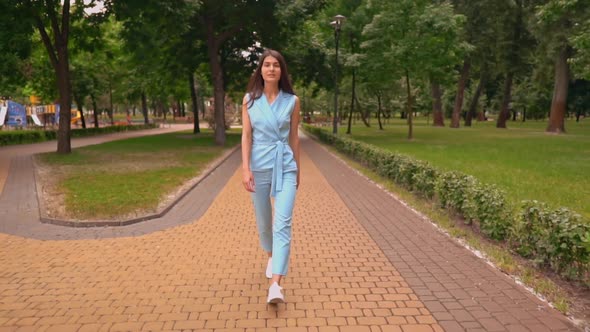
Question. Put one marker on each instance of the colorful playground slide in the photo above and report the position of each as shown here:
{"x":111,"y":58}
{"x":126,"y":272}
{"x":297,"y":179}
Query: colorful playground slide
{"x":36,"y":120}
{"x":3,"y":111}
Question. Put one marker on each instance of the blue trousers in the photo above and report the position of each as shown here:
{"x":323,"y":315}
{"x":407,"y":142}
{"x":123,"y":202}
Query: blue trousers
{"x":275,"y":235}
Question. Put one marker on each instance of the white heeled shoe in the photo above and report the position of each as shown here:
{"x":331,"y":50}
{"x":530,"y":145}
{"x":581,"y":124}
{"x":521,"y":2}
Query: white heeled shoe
{"x":274,"y":294}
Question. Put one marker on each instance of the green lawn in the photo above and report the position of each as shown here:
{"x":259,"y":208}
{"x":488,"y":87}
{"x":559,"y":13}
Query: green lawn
{"x":523,"y":160}
{"x":130,"y":176}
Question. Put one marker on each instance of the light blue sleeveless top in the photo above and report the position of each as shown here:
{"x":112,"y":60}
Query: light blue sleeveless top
{"x":271,"y":125}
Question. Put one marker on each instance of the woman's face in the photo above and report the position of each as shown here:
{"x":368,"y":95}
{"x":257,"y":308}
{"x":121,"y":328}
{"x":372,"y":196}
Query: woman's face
{"x":271,"y":69}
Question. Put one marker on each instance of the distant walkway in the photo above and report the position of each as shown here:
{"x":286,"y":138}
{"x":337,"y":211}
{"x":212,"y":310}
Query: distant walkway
{"x":19,"y":209}
{"x":8,"y":153}
{"x":361,"y":261}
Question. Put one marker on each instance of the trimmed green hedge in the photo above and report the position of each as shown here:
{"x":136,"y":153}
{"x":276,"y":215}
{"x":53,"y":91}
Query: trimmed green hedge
{"x":34,"y":136}
{"x":558,"y":239}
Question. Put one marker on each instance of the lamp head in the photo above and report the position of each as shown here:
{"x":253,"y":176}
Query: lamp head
{"x":338,"y":21}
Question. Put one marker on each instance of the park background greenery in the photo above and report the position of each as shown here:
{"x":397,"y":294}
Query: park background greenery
{"x":501,"y":74}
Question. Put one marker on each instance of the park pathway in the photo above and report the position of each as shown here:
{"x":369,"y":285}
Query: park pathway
{"x":9,"y":153}
{"x":361,"y":261}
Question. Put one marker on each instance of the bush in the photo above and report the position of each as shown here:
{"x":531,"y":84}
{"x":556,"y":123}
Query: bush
{"x":487,"y":206}
{"x":425,"y":180}
{"x":452,"y":190}
{"x":25,"y":136}
{"x":557,"y":238}
{"x":36,"y":136}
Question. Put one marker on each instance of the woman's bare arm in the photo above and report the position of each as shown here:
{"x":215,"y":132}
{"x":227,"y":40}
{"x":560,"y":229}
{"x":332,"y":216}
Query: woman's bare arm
{"x":247,"y":177}
{"x":294,"y":137}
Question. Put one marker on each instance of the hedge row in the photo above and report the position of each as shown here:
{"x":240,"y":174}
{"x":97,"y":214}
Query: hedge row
{"x":35,"y":136}
{"x":558,"y":239}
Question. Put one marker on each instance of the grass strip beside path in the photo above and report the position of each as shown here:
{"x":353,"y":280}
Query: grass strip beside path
{"x":129,"y":177}
{"x":564,"y":296}
{"x":523,"y":160}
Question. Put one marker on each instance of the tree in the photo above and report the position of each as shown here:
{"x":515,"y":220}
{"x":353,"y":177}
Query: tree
{"x":53,"y":20}
{"x":220,"y":22}
{"x":447,"y":48}
{"x":163,"y":50}
{"x":556,"y":21}
{"x":516,"y":43}
{"x":15,"y":41}
{"x":404,"y":35}
{"x":481,"y":32}
{"x":580,"y":40}
{"x":358,"y":16}
{"x":88,"y":61}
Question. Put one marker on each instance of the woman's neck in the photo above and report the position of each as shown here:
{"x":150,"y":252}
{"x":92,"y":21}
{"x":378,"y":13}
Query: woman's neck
{"x":271,"y":90}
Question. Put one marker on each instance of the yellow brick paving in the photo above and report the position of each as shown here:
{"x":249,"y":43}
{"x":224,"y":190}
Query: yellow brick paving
{"x":209,"y":275}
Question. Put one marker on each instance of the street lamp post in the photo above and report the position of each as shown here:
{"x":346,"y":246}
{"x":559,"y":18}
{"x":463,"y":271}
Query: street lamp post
{"x":337,"y":25}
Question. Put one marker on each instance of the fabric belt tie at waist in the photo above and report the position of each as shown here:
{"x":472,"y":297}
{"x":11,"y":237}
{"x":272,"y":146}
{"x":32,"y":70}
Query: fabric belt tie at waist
{"x":277,"y":170}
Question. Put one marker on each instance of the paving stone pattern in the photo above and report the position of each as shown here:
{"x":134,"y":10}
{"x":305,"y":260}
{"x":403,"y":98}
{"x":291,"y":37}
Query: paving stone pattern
{"x":361,"y":261}
{"x":209,"y":275}
{"x":462,"y":291}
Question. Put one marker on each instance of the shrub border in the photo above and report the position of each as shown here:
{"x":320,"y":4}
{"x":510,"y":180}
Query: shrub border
{"x":558,"y":239}
{"x":36,"y":136}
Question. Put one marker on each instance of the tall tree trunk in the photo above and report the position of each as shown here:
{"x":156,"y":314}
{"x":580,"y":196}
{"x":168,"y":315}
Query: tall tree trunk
{"x":65,"y":104}
{"x":192,"y":86}
{"x":201,"y":99}
{"x":481,"y":116}
{"x":163,"y":109}
{"x":379,"y":111}
{"x":456,"y":117}
{"x":364,"y":114}
{"x":110,"y":111}
{"x":144,"y":109}
{"x":59,"y":58}
{"x":155,"y":110}
{"x":95,"y":110}
{"x":505,"y":112}
{"x":213,"y":46}
{"x":437,"y":112}
{"x":348,"y":130}
{"x":409,"y":92}
{"x":80,"y":103}
{"x":474,"y":101}
{"x":513,"y":62}
{"x":560,"y":89}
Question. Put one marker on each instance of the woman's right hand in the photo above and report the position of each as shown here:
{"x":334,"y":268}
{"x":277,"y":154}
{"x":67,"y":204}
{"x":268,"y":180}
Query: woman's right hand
{"x":248,"y":180}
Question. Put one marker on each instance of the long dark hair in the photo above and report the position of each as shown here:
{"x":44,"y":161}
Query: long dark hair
{"x":256,"y":83}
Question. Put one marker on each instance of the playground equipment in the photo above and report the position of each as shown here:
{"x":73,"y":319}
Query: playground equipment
{"x":76,"y":116}
{"x":36,"y":120}
{"x":14,"y":114}
{"x":49,"y":115}
{"x":3,"y":111}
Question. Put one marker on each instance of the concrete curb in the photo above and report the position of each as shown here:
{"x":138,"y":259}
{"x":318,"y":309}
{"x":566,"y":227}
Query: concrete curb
{"x":106,"y":223}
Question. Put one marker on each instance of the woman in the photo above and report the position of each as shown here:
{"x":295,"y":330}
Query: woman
{"x":270,"y":160}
